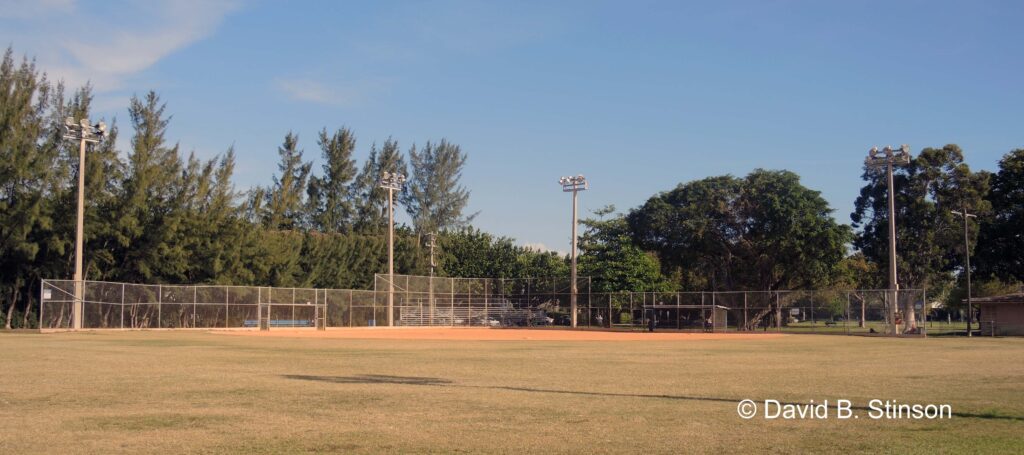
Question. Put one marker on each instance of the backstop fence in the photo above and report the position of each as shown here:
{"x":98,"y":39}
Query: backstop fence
{"x":441,"y":301}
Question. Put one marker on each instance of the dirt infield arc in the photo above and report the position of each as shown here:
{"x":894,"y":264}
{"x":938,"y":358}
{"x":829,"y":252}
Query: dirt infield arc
{"x":486,"y":334}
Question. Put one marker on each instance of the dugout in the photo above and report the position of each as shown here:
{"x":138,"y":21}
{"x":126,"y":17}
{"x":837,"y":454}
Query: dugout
{"x":1001,"y":315}
{"x":713,"y":318}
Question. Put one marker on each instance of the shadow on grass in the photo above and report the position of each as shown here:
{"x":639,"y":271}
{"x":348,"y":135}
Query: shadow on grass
{"x":372,"y":379}
{"x":438,"y":382}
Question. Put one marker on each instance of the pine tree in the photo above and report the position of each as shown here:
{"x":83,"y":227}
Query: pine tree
{"x":150,"y":213}
{"x":25,"y":171}
{"x":331,"y":205}
{"x":434,"y":198}
{"x":371,"y":199}
{"x":284,"y":201}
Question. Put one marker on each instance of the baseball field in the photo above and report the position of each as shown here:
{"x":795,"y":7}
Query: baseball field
{"x":494,"y":390}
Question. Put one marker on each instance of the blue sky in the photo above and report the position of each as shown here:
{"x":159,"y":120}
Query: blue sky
{"x":638,"y":96}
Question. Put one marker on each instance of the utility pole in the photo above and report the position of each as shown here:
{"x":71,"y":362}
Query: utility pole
{"x":967,"y":263}
{"x":83,"y":132}
{"x":432,"y":239}
{"x":391,"y":181}
{"x":887,"y":160}
{"x":573,"y":185}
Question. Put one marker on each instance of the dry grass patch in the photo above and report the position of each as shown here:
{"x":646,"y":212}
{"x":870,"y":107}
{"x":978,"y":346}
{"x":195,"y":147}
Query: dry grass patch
{"x":159,"y":392}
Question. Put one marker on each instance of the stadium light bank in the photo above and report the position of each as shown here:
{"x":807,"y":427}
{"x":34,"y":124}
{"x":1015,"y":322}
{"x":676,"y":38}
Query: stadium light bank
{"x":391,"y":181}
{"x":573,"y":185}
{"x":84,"y":132}
{"x":887,"y":159}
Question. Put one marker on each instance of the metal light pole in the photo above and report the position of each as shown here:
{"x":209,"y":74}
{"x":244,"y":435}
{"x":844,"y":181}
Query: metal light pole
{"x":391,"y":181}
{"x":432,"y":239}
{"x":83,"y":132}
{"x":967,"y":264}
{"x":887,"y":159}
{"x":573,"y":185}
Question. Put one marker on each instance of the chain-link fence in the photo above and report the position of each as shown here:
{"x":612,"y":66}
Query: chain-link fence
{"x":441,"y":301}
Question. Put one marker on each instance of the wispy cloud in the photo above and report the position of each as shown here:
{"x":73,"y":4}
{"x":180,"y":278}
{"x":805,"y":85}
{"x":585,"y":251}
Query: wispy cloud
{"x":334,"y":94}
{"x":79,"y":45}
{"x":27,"y":9}
{"x":542,"y":248}
{"x":302,"y":89}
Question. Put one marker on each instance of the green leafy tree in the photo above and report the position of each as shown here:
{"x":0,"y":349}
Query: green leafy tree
{"x":470,"y":252}
{"x":765,"y":231}
{"x":434,"y":198}
{"x":613,"y":262}
{"x":533,"y":264}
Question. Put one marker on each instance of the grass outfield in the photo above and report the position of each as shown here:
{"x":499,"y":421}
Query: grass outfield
{"x":159,"y":392}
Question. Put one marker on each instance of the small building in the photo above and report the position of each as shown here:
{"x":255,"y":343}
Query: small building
{"x":1001,"y":315}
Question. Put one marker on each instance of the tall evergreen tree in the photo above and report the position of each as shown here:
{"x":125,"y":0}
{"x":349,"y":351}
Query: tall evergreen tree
{"x":331,"y":204}
{"x":1002,"y":234}
{"x":284,"y":201}
{"x":150,"y":215}
{"x":434,"y":198}
{"x":372,"y":200}
{"x":25,"y":172}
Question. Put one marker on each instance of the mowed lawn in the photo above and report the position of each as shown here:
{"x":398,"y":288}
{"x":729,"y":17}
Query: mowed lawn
{"x":161,"y":392}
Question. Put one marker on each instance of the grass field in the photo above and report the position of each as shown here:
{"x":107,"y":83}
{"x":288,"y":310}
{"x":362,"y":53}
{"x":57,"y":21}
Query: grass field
{"x":159,"y":392}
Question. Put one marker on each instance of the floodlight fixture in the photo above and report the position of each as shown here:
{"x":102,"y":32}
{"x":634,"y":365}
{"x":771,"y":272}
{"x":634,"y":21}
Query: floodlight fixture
{"x":392,"y":180}
{"x":574,"y":183}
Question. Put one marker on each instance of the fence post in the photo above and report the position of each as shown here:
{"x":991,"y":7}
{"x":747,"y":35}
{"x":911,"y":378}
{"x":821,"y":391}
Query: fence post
{"x":608,"y":296}
{"x":714,"y":311}
{"x":195,"y":298}
{"x":122,"y":306}
{"x":924,"y":310}
{"x":814,"y":320}
{"x":42,"y":288}
{"x":747,"y":323}
{"x":227,"y":306}
{"x":778,"y":312}
{"x":159,"y":305}
{"x":863,"y":310}
{"x":679,"y":301}
{"x":846,"y":323}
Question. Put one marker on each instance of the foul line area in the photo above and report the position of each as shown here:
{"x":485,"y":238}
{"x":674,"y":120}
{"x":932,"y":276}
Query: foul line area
{"x":489,"y":334}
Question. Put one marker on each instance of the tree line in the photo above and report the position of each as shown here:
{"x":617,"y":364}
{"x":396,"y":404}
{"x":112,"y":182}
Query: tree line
{"x":157,"y":215}
{"x":766,"y":231}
